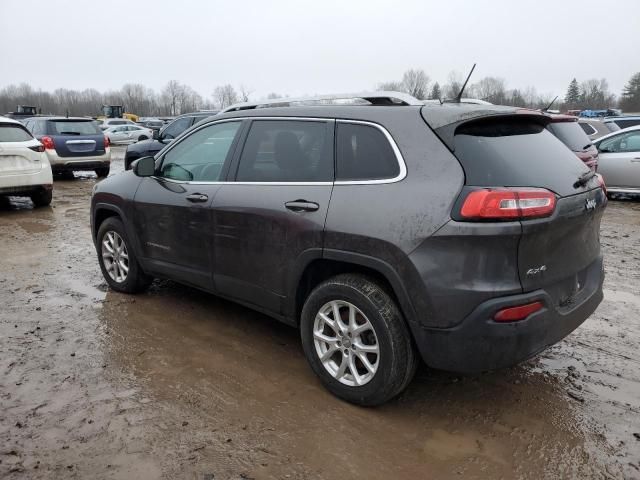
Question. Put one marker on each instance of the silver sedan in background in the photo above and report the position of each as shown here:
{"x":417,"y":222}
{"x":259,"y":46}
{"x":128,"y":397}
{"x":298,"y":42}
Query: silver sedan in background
{"x":123,"y":134}
{"x":619,"y":160}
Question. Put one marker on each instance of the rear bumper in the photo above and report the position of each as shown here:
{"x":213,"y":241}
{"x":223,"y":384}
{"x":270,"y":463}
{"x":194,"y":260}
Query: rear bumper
{"x":66,"y":164}
{"x":26,"y":183}
{"x":479,"y":343}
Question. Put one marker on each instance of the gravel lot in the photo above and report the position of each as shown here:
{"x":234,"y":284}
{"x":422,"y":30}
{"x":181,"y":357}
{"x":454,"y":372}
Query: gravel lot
{"x":176,"y":383}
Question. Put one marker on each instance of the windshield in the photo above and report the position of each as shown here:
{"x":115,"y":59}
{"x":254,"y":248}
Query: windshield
{"x":571,"y":135}
{"x":74,"y":127}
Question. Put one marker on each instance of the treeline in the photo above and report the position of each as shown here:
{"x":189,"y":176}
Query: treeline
{"x":176,"y":98}
{"x":589,"y":94}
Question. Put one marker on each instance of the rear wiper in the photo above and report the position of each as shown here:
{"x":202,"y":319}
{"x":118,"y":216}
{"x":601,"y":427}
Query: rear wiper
{"x":587,"y":146}
{"x":584,"y":179}
{"x":69,"y":133}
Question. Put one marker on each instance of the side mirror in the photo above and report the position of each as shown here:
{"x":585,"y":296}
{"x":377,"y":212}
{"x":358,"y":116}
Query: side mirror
{"x":144,"y":167}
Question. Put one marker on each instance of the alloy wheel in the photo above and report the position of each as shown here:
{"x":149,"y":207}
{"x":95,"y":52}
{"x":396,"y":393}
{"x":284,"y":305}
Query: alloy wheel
{"x":115,"y":256}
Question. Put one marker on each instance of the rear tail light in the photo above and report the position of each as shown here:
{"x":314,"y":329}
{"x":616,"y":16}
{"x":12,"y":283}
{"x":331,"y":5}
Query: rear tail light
{"x":515,"y":314}
{"x":508,"y":204}
{"x":48,"y":143}
{"x":601,"y":182}
{"x":106,"y":142}
{"x":37,"y":148}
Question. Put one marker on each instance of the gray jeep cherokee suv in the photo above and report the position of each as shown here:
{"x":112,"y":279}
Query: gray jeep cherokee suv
{"x":466,"y":234}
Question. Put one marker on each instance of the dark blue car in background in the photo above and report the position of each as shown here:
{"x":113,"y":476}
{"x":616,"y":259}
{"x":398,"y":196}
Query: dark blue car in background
{"x":72,"y":143}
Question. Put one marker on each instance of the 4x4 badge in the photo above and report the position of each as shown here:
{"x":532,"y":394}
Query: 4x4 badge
{"x":590,"y":204}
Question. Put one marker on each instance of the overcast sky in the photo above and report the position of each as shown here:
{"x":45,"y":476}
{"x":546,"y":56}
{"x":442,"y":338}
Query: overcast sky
{"x":322,"y":46}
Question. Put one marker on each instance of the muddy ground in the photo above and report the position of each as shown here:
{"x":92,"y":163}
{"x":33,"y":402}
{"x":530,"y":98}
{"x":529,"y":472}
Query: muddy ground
{"x":178,"y":384}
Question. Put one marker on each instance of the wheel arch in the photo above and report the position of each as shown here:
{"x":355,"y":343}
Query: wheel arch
{"x":334,"y":262}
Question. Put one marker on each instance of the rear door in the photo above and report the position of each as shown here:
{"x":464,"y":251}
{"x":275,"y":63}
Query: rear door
{"x":171,"y":210}
{"x":76,"y":137}
{"x":619,"y":161}
{"x":554,"y":253}
{"x":275,"y":211}
{"x":18,"y":151}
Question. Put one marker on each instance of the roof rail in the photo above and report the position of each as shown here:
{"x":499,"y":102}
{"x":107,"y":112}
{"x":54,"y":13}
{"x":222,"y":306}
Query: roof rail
{"x":374,"y":98}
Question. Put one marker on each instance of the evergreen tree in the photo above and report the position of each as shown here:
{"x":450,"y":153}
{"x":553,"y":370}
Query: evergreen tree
{"x":435,"y":92}
{"x":572,"y":98}
{"x":630,"y":100}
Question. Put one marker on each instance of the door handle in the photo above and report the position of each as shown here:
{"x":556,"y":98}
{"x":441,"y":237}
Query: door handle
{"x":302,"y":206}
{"x":197,"y":197}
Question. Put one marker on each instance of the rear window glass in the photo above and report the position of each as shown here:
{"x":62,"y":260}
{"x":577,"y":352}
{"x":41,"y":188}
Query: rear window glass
{"x":515,"y":153}
{"x":588,"y":129}
{"x":364,"y":153}
{"x":627,"y":123}
{"x":74,"y":127}
{"x":571,"y":135}
{"x":14,"y":133}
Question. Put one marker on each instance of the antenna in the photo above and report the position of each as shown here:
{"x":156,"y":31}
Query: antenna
{"x":552,"y":102}
{"x":464,"y":85}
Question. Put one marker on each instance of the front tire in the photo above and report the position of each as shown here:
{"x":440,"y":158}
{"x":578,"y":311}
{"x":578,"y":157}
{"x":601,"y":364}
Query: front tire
{"x":103,"y":172}
{"x":356,"y":340}
{"x":42,"y":198}
{"x":117,"y":259}
{"x":142,"y":137}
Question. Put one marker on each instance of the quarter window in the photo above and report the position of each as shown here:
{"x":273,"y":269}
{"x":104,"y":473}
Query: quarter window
{"x":200,"y":156}
{"x":364,"y":153}
{"x":588,"y":129}
{"x":177,"y":127}
{"x":287,"y":151}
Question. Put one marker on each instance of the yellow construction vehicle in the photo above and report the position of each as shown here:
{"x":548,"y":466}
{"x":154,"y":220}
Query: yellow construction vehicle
{"x":116,"y":111}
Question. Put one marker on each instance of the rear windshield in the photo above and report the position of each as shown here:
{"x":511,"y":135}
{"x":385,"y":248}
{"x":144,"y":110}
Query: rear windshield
{"x":14,"y":133}
{"x":571,"y":135}
{"x":73,"y":127}
{"x":516,"y":153}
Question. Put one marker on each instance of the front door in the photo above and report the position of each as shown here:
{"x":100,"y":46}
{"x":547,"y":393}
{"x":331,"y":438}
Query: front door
{"x":275,"y":210}
{"x":172,"y":215}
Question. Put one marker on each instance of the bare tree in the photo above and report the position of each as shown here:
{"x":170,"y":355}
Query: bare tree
{"x":392,"y":86}
{"x":171,"y":95}
{"x":274,"y":96}
{"x":415,"y":83}
{"x":490,"y":89}
{"x":244,"y":93}
{"x":224,"y":96}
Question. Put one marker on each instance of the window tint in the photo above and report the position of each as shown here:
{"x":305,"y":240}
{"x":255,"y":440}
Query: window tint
{"x":14,"y":133}
{"x":287,"y":151}
{"x":571,"y":135}
{"x":176,"y":128}
{"x":515,"y":152}
{"x":588,"y":129}
{"x":364,"y":153}
{"x":627,"y":142}
{"x":200,"y":156}
{"x":73,"y":127}
{"x":627,"y":123}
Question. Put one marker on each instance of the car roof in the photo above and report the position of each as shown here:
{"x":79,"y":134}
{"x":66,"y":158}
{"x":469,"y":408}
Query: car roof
{"x":85,"y":119}
{"x":437,"y":115}
{"x":9,"y":120}
{"x":618,"y":132}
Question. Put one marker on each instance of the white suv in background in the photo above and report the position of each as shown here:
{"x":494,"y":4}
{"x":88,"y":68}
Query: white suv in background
{"x":24,"y":167}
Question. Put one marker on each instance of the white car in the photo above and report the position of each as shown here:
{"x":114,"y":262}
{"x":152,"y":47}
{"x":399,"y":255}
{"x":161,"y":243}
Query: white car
{"x":619,"y":160}
{"x":24,"y":167}
{"x":114,"y":122}
{"x":128,"y":134}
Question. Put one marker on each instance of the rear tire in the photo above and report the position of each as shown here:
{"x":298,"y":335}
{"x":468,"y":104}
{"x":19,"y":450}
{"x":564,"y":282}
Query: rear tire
{"x":388,"y":371}
{"x":122,"y":270}
{"x":42,"y":198}
{"x":102,"y":172}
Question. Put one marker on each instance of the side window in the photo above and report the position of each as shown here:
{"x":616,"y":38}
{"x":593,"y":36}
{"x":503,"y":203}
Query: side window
{"x":628,"y":142}
{"x":364,"y":153}
{"x":200,"y":156}
{"x":287,"y":151}
{"x":588,"y":129}
{"x":177,"y":127}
